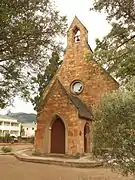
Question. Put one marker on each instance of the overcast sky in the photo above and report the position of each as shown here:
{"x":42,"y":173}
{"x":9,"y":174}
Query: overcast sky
{"x":95,"y":23}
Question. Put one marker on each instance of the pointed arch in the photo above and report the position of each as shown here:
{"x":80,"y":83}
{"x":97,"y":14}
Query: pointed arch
{"x":76,"y":34}
{"x":58,"y":135}
{"x":86,"y":137}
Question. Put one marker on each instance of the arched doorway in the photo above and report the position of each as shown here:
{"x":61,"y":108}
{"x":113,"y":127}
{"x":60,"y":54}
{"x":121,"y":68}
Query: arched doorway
{"x":58,"y":136}
{"x":86,"y":138}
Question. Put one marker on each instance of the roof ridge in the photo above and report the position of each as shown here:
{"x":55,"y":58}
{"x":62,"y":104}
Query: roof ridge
{"x":83,"y":111}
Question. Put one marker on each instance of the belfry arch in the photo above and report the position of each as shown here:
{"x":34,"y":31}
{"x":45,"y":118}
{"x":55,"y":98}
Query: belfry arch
{"x":76,"y":34}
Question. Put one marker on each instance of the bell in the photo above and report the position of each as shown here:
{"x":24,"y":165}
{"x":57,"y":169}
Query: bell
{"x":78,"y":38}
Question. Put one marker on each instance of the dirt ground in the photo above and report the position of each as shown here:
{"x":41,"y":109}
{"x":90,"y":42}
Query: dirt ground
{"x":12,"y":169}
{"x":16,"y":147}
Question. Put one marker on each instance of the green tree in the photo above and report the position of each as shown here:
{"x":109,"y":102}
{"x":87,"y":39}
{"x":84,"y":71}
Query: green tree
{"x":28,"y":34}
{"x":117,"y":50}
{"x":22,"y":132}
{"x":7,"y":138}
{"x":114,"y":128}
{"x":43,"y":78}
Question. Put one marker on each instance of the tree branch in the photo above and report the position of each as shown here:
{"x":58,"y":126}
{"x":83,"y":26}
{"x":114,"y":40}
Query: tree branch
{"x":126,"y":10}
{"x":2,"y":60}
{"x":126,"y":41}
{"x":4,"y":67}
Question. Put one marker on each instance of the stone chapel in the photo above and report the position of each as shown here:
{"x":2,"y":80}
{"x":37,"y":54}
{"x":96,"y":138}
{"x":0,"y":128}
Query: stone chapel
{"x":64,"y":119}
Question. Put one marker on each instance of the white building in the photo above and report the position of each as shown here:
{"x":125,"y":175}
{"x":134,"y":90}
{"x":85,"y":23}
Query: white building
{"x":9,"y":126}
{"x":29,"y":129}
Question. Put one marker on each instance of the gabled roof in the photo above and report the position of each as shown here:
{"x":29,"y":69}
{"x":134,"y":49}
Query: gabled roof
{"x":76,"y":20}
{"x":83,"y":111}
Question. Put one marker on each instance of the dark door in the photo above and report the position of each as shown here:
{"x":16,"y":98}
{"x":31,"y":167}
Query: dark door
{"x":58,"y":137}
{"x":86,"y":138}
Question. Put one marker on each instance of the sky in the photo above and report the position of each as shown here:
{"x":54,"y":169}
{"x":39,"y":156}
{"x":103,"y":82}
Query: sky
{"x":95,"y":23}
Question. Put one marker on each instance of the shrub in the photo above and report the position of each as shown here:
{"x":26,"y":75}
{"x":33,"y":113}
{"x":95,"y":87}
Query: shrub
{"x":7,"y":138}
{"x":6,"y":149}
{"x":32,"y":139}
{"x":114,"y":127}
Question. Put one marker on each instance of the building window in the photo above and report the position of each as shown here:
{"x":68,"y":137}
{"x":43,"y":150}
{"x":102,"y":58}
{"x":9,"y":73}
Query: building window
{"x":33,"y":128}
{"x":14,"y":124}
{"x":14,"y":132}
{"x":7,"y":123}
{"x":5,"y":132}
{"x":76,"y":87}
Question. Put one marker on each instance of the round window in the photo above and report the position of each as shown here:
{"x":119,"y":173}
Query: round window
{"x":77,"y":87}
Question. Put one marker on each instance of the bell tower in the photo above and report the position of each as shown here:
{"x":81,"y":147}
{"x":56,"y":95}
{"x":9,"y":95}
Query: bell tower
{"x":77,"y":34}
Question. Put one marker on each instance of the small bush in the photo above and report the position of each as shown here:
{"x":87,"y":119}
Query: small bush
{"x":6,"y":149}
{"x":32,"y":139}
{"x":6,"y":139}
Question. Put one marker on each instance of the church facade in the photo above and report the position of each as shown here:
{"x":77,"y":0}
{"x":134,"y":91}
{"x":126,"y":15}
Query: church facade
{"x":64,"y":120}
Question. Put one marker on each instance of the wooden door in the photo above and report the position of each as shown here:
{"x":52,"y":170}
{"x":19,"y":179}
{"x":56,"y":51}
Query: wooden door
{"x":58,"y":137}
{"x":86,"y":138}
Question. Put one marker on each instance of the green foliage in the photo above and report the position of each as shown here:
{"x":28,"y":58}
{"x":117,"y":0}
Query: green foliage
{"x":22,"y":131}
{"x":114,"y":127}
{"x":6,"y":149}
{"x":32,"y":139}
{"x":7,"y":138}
{"x":28,"y":34}
{"x":43,"y":78}
{"x":117,"y":50}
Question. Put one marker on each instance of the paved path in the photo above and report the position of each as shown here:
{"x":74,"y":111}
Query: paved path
{"x":12,"y":169}
{"x":83,"y":162}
